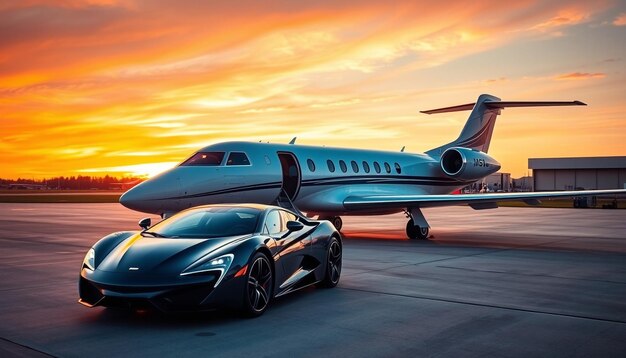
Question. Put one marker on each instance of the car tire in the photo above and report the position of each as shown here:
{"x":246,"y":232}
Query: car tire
{"x":258,"y":288}
{"x":334,"y":260}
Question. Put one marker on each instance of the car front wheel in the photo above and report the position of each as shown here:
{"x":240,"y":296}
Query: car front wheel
{"x":259,"y":285}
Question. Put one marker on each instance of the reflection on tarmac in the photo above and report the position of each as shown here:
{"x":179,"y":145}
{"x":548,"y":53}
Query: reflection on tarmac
{"x":506,"y":282}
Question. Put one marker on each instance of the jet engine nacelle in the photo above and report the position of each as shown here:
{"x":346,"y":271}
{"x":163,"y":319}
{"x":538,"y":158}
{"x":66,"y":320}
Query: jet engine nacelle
{"x":467,"y":164}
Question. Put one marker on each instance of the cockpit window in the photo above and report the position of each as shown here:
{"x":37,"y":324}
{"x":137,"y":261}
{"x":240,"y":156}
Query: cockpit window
{"x":238,"y":158}
{"x":205,"y":159}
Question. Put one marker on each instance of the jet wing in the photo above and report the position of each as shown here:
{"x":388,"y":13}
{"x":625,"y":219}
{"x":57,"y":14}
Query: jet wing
{"x":476,"y":201}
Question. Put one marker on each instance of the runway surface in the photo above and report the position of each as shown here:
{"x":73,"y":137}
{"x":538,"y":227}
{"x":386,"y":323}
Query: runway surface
{"x":511,"y":282}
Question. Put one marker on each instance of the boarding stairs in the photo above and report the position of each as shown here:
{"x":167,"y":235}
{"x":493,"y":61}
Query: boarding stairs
{"x":285,"y":202}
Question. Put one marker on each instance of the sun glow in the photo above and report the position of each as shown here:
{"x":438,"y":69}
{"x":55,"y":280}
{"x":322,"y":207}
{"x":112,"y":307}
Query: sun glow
{"x":137,"y":170}
{"x":98,"y":87}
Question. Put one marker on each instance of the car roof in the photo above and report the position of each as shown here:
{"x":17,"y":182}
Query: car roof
{"x":240,"y":205}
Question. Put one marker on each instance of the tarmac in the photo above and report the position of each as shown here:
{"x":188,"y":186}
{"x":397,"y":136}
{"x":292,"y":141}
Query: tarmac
{"x":511,"y":282}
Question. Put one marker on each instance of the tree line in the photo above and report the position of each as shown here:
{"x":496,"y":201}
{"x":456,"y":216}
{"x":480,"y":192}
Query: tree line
{"x":80,"y":182}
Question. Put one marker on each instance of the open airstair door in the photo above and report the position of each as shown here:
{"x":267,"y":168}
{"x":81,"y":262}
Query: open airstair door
{"x":291,"y":174}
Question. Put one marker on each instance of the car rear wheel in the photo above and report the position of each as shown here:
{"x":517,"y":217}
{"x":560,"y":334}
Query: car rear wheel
{"x":333,"y":264}
{"x":259,"y":285}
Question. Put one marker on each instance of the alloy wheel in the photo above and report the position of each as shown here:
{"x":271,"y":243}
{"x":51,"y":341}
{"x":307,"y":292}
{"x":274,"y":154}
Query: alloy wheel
{"x":259,"y":284}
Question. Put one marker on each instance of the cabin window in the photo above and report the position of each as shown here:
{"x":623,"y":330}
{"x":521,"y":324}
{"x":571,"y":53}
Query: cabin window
{"x":238,"y":158}
{"x":355,"y":166}
{"x":387,"y":168}
{"x":398,"y":169}
{"x":331,"y":166}
{"x":204,"y":159}
{"x":311,"y":165}
{"x":366,"y":167}
{"x":343,"y":166}
{"x":377,"y":167}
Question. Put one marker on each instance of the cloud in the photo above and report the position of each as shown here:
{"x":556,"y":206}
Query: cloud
{"x":580,"y":76}
{"x":620,"y":20}
{"x":103,"y":84}
{"x":563,"y":18}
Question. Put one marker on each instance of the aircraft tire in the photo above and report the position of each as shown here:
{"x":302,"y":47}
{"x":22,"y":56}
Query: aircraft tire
{"x":415,"y":232}
{"x":337,"y":222}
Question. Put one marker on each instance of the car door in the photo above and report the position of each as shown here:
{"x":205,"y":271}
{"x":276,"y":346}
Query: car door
{"x":292,"y":247}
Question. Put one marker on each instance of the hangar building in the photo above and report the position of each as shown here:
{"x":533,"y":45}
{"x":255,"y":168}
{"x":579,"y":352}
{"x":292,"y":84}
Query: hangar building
{"x":575,"y":173}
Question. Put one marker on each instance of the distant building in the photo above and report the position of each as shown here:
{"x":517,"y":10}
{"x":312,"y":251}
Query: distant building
{"x":523,"y":184}
{"x":27,"y":186}
{"x":578,"y":173}
{"x":498,"y":182}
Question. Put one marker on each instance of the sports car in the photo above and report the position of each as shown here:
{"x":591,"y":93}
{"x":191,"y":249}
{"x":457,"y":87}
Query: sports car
{"x":216,"y":256}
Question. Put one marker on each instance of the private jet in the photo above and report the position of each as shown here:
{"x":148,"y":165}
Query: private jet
{"x":331,"y":182}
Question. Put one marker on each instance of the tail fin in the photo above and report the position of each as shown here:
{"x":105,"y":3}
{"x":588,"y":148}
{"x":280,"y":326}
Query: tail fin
{"x":479,"y":126}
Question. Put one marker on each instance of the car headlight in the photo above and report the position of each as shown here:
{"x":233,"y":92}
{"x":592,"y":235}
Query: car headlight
{"x":90,"y":260}
{"x":221,"y":264}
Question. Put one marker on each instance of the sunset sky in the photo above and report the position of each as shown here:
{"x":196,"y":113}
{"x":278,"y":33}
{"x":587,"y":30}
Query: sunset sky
{"x":133,"y":87}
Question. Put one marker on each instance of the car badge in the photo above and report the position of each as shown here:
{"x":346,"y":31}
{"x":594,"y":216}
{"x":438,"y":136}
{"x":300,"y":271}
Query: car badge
{"x":133,"y":269}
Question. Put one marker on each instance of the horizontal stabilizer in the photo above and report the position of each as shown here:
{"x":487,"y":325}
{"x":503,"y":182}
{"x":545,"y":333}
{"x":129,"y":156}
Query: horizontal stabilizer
{"x":461,"y":107}
{"x":504,"y":104}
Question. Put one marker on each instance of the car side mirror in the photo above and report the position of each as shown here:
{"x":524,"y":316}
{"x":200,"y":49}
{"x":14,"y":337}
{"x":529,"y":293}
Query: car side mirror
{"x":145,"y":223}
{"x":294,"y":226}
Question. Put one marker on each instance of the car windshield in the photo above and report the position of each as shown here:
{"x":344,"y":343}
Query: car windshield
{"x":208,"y":223}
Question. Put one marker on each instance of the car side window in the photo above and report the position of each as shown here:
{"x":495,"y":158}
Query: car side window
{"x":286,"y":217}
{"x":272,"y":223}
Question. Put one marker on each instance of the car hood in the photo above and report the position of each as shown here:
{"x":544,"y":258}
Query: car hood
{"x":150,"y":255}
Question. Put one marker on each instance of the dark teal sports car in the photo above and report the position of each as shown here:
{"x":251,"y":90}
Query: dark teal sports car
{"x":236,"y":256}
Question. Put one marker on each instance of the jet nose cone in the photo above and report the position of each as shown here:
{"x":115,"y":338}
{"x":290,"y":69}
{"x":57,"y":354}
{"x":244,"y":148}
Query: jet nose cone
{"x":132,"y":199}
{"x":156,"y":195}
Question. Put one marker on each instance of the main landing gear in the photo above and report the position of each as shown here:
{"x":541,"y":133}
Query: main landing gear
{"x":417,"y":228}
{"x":416,"y":232}
{"x":335,"y":220}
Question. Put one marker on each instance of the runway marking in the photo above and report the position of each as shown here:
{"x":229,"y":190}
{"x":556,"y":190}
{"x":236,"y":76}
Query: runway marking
{"x":428,"y":262}
{"x":485,"y":305}
{"x":533,"y":275}
{"x":30,"y":241}
{"x":30,"y":351}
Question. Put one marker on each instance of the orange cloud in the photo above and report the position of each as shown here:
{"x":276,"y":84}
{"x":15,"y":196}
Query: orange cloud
{"x":580,"y":76}
{"x":100,"y":86}
{"x":620,"y":20}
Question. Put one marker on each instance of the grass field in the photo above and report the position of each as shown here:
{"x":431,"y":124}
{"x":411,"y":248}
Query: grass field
{"x":61,"y":196}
